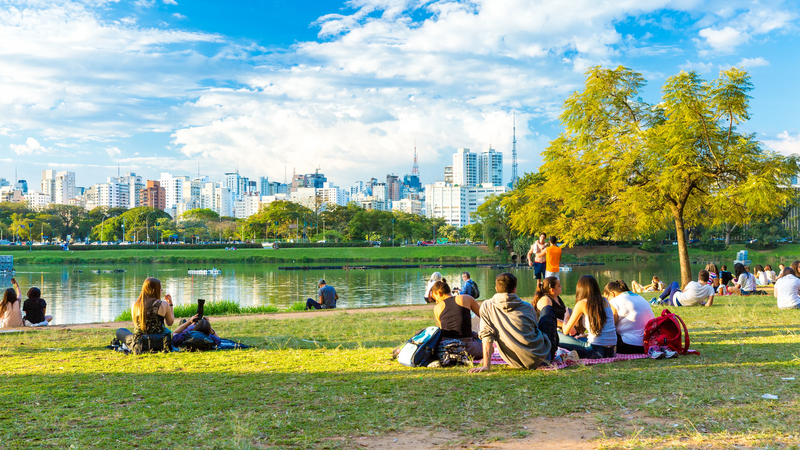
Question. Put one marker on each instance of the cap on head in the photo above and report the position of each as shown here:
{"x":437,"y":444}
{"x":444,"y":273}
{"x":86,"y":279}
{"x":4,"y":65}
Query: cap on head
{"x":321,"y":281}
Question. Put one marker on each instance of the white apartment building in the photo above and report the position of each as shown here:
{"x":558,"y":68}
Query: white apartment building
{"x":371,"y":202}
{"x":409,"y":206}
{"x":216,"y":197}
{"x":130,"y":198}
{"x":112,"y":194}
{"x":490,"y":167}
{"x":329,"y":194}
{"x":60,"y":186}
{"x":37,"y":200}
{"x":457,"y":205}
{"x":465,"y":168}
{"x":247,"y":205}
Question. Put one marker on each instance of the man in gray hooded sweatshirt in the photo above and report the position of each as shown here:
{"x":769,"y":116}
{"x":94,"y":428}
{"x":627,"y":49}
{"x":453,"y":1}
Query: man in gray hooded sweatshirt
{"x":522,"y":340}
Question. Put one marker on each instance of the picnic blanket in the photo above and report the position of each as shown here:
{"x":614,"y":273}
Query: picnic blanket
{"x":498,"y":360}
{"x":226,"y":344}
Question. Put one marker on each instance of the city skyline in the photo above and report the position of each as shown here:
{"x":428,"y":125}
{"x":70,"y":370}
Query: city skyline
{"x":154,"y":86}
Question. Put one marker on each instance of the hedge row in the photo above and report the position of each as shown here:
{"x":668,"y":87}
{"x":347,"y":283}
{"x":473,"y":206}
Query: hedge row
{"x":325,"y":244}
{"x":82,"y":247}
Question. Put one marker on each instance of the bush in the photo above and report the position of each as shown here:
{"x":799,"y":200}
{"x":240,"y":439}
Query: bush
{"x":322,"y":244}
{"x":652,"y":247}
{"x":297,"y":306}
{"x":711,"y":246}
{"x":214,"y":308}
{"x":759,"y":245}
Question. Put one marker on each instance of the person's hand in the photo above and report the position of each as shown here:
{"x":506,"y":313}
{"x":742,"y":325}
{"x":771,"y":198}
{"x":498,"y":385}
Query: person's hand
{"x":480,"y":369}
{"x":194,"y":318}
{"x":168,"y":298}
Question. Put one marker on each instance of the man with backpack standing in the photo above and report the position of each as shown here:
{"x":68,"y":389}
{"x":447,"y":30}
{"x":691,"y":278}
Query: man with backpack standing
{"x":469,"y":287}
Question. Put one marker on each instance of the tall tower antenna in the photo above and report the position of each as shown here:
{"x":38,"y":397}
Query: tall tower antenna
{"x":514,"y":176}
{"x":415,"y":168}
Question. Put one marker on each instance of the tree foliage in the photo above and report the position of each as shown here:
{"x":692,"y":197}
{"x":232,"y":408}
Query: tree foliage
{"x":623,"y":167}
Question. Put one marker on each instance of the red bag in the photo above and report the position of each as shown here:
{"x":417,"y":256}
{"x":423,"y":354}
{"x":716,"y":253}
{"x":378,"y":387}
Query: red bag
{"x":666,"y":331}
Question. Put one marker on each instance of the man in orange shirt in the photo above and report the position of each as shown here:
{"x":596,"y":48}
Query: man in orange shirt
{"x":553,"y":255}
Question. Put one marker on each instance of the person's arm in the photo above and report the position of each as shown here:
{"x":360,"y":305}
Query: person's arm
{"x":616,"y":313}
{"x":336,"y":294}
{"x":182,"y":327}
{"x":488,"y":351}
{"x":710,"y":300}
{"x":437,"y":311}
{"x":579,"y":310}
{"x":16,"y":288}
{"x":528,"y":256}
{"x":541,"y":253}
{"x":169,"y":316}
{"x":321,"y":299}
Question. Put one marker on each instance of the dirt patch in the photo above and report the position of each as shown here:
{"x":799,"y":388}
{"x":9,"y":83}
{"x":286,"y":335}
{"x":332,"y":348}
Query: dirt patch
{"x":562,"y":432}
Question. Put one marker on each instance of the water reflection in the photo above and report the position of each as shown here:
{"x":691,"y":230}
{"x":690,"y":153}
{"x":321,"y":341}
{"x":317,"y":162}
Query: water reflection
{"x":87,"y":297}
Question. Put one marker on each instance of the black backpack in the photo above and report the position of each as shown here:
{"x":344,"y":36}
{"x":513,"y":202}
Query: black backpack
{"x":197,"y":341}
{"x":452,"y":352}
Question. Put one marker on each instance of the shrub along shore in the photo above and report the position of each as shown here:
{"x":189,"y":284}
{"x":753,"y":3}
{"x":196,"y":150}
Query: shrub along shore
{"x":327,"y":381}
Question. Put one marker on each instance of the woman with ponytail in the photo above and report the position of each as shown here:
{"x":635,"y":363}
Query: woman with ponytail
{"x":598,"y":317}
{"x":631,"y":312}
{"x":452,"y":315}
{"x":550,"y":288}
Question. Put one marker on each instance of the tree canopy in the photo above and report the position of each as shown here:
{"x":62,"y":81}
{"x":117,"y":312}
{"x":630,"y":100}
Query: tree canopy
{"x":624,"y":167}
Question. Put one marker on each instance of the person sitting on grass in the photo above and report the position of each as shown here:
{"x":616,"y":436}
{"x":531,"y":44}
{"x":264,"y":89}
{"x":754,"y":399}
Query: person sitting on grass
{"x":549,"y":290}
{"x":655,"y":285}
{"x":771,"y":276}
{"x":632,"y":312}
{"x":184,"y":331}
{"x":435,"y":276}
{"x":713,"y":275}
{"x":744,"y":282}
{"x":762,"y":277}
{"x":696,"y":293}
{"x":725,"y":277}
{"x":523,"y":341}
{"x":452,"y":315}
{"x":598,"y":318}
{"x":326,"y":295}
{"x":10,"y":312}
{"x":787,"y":290}
{"x":150,"y":314}
{"x":35,"y":309}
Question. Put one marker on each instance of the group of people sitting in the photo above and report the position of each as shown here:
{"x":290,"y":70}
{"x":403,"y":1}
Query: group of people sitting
{"x":712,"y":281}
{"x":15,"y":314}
{"x":602,"y":324}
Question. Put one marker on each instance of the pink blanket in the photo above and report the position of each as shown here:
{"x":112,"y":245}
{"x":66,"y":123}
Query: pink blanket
{"x":498,"y":360}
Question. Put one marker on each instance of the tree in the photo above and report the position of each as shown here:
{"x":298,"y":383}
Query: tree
{"x":205,"y":214}
{"x":623,"y":167}
{"x":68,"y":217}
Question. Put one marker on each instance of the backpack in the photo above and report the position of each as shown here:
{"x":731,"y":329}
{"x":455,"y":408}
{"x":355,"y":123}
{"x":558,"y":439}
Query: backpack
{"x":420,"y":350}
{"x":197,"y":341}
{"x":473,"y":290}
{"x":666,"y":330}
{"x":452,"y":352}
{"x":150,"y":343}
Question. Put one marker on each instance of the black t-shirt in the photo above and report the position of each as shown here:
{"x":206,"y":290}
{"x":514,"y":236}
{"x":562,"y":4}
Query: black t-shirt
{"x":725,"y":277}
{"x":34,"y":310}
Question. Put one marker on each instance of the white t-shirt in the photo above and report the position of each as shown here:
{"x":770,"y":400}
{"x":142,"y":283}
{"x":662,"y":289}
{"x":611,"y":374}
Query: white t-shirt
{"x":747,"y":282}
{"x":694,"y":294}
{"x":787,"y":291}
{"x":634,"y":312}
{"x":763,"y":279}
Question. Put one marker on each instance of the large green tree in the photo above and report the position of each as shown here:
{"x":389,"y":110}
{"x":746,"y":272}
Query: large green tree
{"x":623,"y":167}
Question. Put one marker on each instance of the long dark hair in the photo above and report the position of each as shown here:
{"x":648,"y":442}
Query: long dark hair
{"x":9,"y":297}
{"x":203,"y":326}
{"x":759,"y":268}
{"x":441,"y":287}
{"x":738,"y":269}
{"x":34,"y":293}
{"x":588,"y":289}
{"x":544,"y":286}
{"x":616,"y":287}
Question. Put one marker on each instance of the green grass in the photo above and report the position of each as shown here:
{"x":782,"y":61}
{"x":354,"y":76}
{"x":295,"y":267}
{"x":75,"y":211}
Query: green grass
{"x":212,"y":308}
{"x":460,"y":253}
{"x":325,"y":381}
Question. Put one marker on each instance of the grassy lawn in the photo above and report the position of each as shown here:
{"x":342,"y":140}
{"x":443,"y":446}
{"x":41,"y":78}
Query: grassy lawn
{"x":459,"y":253}
{"x":324,"y":382}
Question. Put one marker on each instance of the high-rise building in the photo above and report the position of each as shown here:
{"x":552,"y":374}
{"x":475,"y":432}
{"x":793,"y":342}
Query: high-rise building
{"x":448,"y":174}
{"x":263,"y":186}
{"x":247,"y":205}
{"x":218,"y":198}
{"x":135,"y":185}
{"x":173,"y":190}
{"x":394,"y":187}
{"x":490,"y":167}
{"x":465,"y":168}
{"x":153,"y":195}
{"x":112,"y":193}
{"x":457,"y":204}
{"x":22,"y":185}
{"x":232,"y":181}
{"x":60,"y":186}
{"x":4,"y":182}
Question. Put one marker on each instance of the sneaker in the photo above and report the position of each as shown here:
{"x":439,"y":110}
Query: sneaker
{"x":655,"y":301}
{"x":668,"y":353}
{"x":396,"y":352}
{"x":655,"y":353}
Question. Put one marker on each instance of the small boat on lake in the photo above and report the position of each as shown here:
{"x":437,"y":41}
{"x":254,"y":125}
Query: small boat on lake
{"x":213,"y":271}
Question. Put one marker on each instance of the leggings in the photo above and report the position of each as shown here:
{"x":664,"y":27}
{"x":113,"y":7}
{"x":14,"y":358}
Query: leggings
{"x":628,"y":349}
{"x":548,"y":325}
{"x":670,"y":292}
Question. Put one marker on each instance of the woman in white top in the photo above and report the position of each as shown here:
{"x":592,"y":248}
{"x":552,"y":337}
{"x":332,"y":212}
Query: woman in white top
{"x":787,"y":290}
{"x":744,"y":282}
{"x":762,"y":276}
{"x":631,"y":313}
{"x":771,"y":276}
{"x":435,"y":276}
{"x":598,"y":318}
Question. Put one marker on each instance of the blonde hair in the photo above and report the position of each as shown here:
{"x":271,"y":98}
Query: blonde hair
{"x":151,"y":290}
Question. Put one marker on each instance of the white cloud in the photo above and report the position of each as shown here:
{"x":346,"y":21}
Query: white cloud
{"x":30,"y":147}
{"x":178,"y":16}
{"x":725,"y":39}
{"x":785,"y":143}
{"x":170,"y":2}
{"x":700,"y":67}
{"x":752,"y":62}
{"x":113,"y":151}
{"x":733,"y":30}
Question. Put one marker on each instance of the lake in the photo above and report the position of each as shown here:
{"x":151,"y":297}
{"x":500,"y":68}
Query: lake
{"x":87,"y":297}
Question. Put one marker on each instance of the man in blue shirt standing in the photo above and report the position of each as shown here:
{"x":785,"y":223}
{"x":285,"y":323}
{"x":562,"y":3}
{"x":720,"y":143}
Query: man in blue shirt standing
{"x":326,"y":295}
{"x":469,"y":287}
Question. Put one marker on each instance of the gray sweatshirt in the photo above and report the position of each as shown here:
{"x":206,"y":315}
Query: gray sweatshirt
{"x":511,"y":323}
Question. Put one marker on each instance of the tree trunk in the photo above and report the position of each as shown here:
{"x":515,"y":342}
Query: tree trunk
{"x":683,"y":251}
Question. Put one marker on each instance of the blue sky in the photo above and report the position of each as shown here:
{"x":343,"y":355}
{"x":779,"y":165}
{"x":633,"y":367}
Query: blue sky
{"x":164,"y":85}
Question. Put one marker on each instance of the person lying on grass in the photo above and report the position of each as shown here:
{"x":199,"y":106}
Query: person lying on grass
{"x":631,"y":312}
{"x":452,"y":315}
{"x":696,"y":293}
{"x":655,"y":285}
{"x":195,"y":324}
{"x":787,"y":290}
{"x":598,"y":318}
{"x":522,"y":340}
